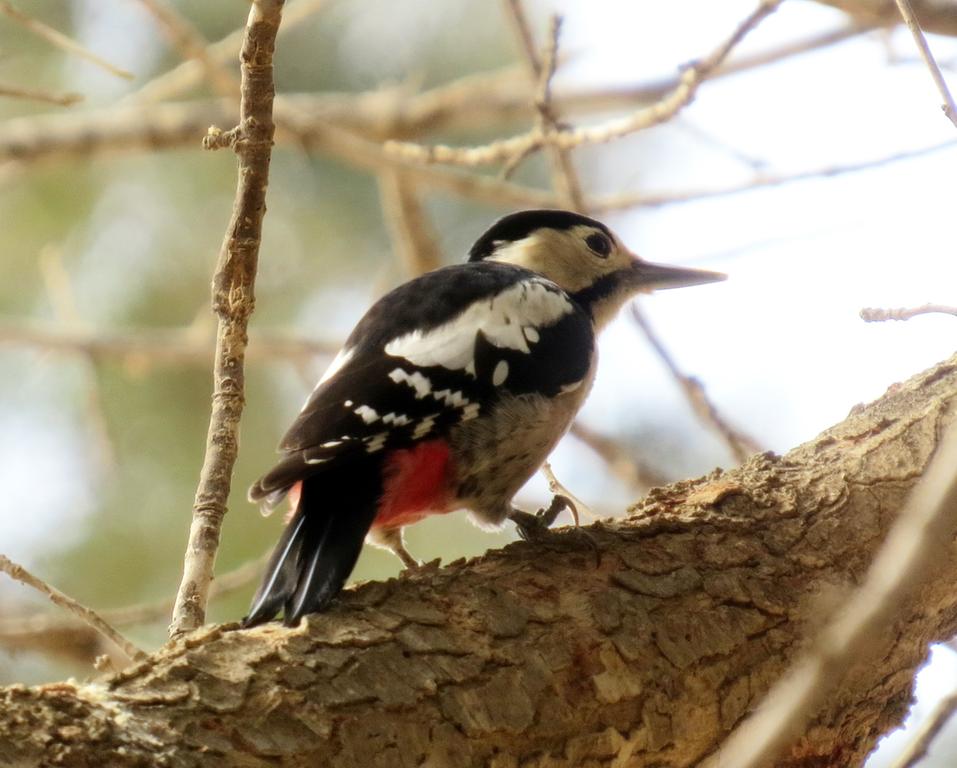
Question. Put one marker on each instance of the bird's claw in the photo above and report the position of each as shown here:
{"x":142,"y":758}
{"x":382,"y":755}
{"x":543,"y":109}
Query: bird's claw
{"x":536,"y":527}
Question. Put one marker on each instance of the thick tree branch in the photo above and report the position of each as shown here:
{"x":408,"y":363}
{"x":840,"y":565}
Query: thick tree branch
{"x":536,"y":656}
{"x":233,"y":302}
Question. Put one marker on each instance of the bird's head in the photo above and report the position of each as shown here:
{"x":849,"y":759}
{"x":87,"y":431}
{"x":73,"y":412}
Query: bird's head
{"x":583,"y":257}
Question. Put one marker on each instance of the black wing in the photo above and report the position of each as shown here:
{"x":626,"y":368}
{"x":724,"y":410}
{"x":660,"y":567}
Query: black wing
{"x":432,"y":353}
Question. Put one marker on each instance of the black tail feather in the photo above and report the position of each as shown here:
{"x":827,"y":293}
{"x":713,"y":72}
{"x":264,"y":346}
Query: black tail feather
{"x":316,"y":553}
{"x":281,"y":576}
{"x":324,"y":570}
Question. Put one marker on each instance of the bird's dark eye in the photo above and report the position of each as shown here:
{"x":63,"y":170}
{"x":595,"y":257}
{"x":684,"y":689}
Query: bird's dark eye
{"x":599,"y":244}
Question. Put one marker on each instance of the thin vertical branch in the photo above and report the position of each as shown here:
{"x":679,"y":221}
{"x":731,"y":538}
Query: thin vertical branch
{"x":233,"y":301}
{"x":907,"y":13}
{"x":564,"y":177}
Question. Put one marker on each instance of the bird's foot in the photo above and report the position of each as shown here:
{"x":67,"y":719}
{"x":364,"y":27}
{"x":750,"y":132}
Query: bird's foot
{"x":391,"y":539}
{"x":535,"y":527}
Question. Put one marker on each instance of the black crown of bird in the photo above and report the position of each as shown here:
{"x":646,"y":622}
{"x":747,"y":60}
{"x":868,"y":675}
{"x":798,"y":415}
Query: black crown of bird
{"x":449,"y":394}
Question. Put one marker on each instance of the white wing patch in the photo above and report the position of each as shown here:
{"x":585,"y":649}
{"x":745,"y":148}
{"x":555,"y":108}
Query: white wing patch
{"x":504,"y":319}
{"x":344,"y":356}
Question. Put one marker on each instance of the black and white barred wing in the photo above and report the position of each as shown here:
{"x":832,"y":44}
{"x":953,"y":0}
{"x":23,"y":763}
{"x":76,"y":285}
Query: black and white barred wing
{"x":386,"y":391}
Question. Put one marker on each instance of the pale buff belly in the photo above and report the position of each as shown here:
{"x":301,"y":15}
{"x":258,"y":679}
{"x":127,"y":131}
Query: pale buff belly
{"x":496,"y":455}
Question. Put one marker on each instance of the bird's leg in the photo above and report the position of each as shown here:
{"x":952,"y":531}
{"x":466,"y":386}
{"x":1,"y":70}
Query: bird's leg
{"x":534,"y":527}
{"x":391,"y":539}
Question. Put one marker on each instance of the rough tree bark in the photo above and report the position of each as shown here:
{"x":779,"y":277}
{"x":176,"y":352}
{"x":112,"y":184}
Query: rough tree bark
{"x":536,"y":655}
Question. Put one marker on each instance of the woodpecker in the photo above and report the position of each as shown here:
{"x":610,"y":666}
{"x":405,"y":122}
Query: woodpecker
{"x":449,"y":394}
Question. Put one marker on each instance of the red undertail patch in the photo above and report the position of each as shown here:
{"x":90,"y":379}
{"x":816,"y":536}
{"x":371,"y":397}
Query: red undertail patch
{"x":416,"y":484}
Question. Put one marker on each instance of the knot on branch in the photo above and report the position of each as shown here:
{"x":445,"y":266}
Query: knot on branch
{"x":217,"y":138}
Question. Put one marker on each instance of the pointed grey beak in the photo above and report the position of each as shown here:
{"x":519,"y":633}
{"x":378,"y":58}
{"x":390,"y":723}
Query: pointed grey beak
{"x":648,"y":276}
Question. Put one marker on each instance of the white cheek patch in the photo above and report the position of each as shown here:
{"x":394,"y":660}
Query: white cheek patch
{"x":505,"y":320}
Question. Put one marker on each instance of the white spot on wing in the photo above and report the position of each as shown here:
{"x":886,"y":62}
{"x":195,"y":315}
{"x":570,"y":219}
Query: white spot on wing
{"x":421,"y":384}
{"x":316,"y":461}
{"x":424,"y":427}
{"x":367,"y":414}
{"x":500,"y":373}
{"x":470,"y":411}
{"x":376,"y":442}
{"x":399,"y":420}
{"x":530,"y":333}
{"x":501,"y":319}
{"x":331,"y":444}
{"x":450,"y":398}
{"x":348,"y":403}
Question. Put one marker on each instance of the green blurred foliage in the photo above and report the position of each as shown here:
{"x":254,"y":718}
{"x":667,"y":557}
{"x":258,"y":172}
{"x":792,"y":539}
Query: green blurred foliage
{"x":138,"y":236}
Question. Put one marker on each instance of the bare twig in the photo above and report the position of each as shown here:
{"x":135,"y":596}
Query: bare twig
{"x":740,"y":445}
{"x":626,"y":467}
{"x":907,"y":13}
{"x":233,"y":301}
{"x":191,"y":72}
{"x":18,"y":630}
{"x":916,"y":749}
{"x":763,"y":180}
{"x":918,"y":540}
{"x":87,"y":615}
{"x":192,"y":45}
{"x":59,"y":40}
{"x":413,"y":237}
{"x":877,"y":315}
{"x":504,"y":150}
{"x":35,"y":94}
{"x":140,"y":349}
{"x":564,"y":178}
